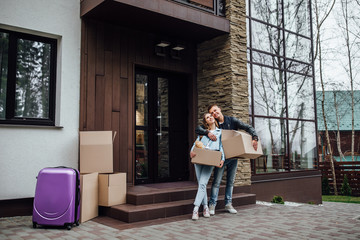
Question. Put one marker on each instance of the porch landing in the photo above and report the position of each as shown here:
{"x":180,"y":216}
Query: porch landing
{"x":163,"y":200}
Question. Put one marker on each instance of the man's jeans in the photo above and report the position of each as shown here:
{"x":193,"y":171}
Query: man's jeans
{"x":203,"y":174}
{"x":231,"y":167}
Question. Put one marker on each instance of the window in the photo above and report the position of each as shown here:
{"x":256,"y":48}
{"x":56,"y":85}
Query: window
{"x":27,"y":79}
{"x":281,"y":84}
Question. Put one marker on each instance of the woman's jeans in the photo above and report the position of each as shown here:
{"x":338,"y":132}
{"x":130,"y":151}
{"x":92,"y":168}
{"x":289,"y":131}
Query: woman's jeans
{"x":203,"y":174}
{"x":231,"y":167}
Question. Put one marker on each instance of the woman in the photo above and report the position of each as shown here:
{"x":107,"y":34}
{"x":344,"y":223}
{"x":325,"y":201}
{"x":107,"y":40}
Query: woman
{"x":203,"y":172}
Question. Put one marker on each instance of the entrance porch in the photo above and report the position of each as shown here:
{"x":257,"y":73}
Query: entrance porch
{"x":164,"y":200}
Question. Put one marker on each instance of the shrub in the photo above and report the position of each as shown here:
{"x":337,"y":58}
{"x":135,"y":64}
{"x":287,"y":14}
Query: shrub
{"x":277,"y":199}
{"x":325,"y":187}
{"x":345,"y":187}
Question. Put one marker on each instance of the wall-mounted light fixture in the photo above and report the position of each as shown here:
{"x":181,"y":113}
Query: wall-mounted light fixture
{"x":163,"y":48}
{"x":160,"y":48}
{"x":163,"y":44}
{"x":176,"y":51}
{"x":178,"y":47}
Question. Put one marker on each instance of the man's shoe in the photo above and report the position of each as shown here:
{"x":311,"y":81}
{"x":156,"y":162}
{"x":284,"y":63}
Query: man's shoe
{"x":206,"y":212}
{"x":195,"y":215}
{"x":230,"y":208}
{"x":212,"y":209}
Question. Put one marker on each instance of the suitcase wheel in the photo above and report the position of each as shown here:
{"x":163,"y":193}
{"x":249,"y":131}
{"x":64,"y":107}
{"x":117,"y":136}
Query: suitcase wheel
{"x":34,"y":225}
{"x":77,"y":223}
{"x":68,"y":227}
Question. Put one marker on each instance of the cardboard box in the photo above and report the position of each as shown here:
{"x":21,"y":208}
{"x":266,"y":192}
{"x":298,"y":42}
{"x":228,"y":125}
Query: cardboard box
{"x":239,"y":144}
{"x":89,"y":196}
{"x":206,"y":157}
{"x":96,"y":152}
{"x":112,"y":189}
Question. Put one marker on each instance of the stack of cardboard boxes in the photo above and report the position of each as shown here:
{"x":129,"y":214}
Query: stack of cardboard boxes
{"x":100,"y":186}
{"x":236,"y":144}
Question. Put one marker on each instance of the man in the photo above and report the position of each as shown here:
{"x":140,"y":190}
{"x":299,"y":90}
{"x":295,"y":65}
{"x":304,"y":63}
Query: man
{"x":231,"y":123}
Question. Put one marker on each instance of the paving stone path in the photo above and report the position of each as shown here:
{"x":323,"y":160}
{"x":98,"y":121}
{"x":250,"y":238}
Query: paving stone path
{"x":261,"y":221}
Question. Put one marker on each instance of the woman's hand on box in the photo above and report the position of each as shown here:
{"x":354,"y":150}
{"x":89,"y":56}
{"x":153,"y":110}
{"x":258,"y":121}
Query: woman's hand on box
{"x":221,"y":164}
{"x":192,"y":154}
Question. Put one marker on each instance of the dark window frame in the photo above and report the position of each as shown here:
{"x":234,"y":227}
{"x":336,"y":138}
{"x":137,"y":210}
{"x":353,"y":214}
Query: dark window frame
{"x":286,"y":70}
{"x":10,"y":118}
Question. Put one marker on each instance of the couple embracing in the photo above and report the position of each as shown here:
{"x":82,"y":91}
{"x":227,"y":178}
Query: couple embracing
{"x":210,"y":134}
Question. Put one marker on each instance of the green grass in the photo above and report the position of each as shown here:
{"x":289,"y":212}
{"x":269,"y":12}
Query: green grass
{"x":344,"y":199}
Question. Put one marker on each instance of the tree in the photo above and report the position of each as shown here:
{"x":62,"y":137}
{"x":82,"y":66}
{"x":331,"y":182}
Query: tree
{"x":318,"y":54}
{"x":350,"y":43}
{"x":337,"y":115}
{"x":325,"y":189}
{"x":345,"y":187}
{"x":4,"y":42}
{"x":32,"y":79}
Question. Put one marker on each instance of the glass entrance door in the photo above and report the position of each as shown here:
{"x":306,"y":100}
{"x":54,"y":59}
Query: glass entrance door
{"x":157,"y":145}
{"x":152,"y":128}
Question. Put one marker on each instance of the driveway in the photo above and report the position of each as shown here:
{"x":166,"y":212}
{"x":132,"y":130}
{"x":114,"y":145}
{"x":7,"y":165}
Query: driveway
{"x":258,"y":221}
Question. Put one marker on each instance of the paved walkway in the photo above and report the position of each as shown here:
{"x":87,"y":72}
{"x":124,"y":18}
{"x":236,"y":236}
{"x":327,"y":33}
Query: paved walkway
{"x":260,"y":221}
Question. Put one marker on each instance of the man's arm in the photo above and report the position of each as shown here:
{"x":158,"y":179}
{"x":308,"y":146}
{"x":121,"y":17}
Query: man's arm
{"x":199,"y":130}
{"x":240,"y":125}
{"x":243,"y":126}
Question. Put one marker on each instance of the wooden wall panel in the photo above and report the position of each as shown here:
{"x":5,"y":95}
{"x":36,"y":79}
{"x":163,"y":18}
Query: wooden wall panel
{"x":124,"y":55}
{"x":100,"y":54}
{"x":83,"y":76}
{"x":116,"y":63}
{"x":99,"y":102}
{"x":124,"y":123}
{"x":90,"y":79}
{"x":116,"y":144}
{"x":108,"y":37}
{"x":108,"y":90}
{"x":131,"y":127}
{"x":138,"y":49}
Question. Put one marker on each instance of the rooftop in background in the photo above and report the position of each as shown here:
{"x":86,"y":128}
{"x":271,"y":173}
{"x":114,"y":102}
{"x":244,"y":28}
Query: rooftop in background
{"x":343,"y":103}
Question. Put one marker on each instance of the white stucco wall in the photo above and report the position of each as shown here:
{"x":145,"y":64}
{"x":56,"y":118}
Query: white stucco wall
{"x":26,"y":150}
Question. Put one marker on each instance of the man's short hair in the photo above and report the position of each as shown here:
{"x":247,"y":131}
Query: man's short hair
{"x":212,"y":105}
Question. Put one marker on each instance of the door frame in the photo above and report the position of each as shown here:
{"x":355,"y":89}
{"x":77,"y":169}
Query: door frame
{"x":191,"y":118}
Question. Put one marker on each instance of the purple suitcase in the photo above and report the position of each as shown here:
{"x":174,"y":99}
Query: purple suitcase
{"x":57,"y":197}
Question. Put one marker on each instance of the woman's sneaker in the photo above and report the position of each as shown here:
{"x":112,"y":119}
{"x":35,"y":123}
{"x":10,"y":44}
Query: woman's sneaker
{"x":212,"y":209}
{"x":206,"y":212}
{"x":195,"y":215}
{"x":230,"y":208}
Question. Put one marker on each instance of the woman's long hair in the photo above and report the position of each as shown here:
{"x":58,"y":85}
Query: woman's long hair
{"x":205,"y":123}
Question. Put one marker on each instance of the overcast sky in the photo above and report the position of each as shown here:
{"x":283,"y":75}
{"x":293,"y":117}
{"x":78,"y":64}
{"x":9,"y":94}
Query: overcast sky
{"x":334,"y":50}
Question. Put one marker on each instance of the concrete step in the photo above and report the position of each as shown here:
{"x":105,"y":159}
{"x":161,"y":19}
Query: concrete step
{"x":141,"y":195}
{"x":131,"y":213}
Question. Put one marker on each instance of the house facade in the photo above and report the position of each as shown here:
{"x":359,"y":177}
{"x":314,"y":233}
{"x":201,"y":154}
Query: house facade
{"x":148,"y":70}
{"x":338,"y":115}
{"x":40,"y":66}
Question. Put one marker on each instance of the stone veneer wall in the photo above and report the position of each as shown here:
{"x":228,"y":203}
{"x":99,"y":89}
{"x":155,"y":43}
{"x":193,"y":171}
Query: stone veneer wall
{"x":222,"y":75}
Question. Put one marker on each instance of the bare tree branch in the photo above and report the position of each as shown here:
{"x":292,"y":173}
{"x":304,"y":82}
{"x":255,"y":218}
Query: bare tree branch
{"x":319,"y":24}
{"x":318,"y":46}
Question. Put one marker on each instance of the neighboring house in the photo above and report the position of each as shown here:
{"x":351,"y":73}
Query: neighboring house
{"x":338,"y":114}
{"x":148,"y":70}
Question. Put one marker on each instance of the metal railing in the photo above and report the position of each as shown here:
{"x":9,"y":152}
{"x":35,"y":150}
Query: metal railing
{"x":216,"y":7}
